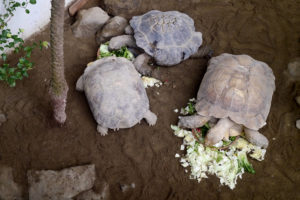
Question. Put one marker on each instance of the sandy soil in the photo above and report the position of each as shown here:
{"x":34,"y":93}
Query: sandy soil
{"x":266,"y":30}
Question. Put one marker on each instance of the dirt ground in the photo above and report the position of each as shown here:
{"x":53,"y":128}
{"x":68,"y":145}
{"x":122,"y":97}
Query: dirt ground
{"x":266,"y":30}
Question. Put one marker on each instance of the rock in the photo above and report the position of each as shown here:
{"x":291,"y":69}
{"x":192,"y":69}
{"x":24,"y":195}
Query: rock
{"x":298,"y":123}
{"x":298,"y":100}
{"x":91,"y":195}
{"x":128,"y":30}
{"x":125,"y":187}
{"x":60,"y":185}
{"x":130,"y":8}
{"x":9,"y":190}
{"x":89,"y":22}
{"x":114,"y":27}
{"x":294,"y":68}
{"x":120,"y":41}
{"x":2,"y":118}
{"x":125,"y":8}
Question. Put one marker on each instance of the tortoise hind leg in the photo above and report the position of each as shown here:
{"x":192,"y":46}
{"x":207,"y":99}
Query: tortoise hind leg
{"x":193,"y":121}
{"x":102,"y":130}
{"x":151,"y":118}
{"x":256,"y":138}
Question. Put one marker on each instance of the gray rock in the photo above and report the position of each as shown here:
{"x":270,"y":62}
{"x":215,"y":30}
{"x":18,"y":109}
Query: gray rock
{"x":298,"y":123}
{"x":2,"y":118}
{"x":128,"y":30}
{"x":9,"y":190}
{"x":114,"y":27}
{"x":60,"y":185}
{"x":120,"y":41}
{"x":91,"y":195}
{"x":298,"y":100}
{"x":125,"y":187}
{"x":294,"y":68}
{"x":89,"y":22}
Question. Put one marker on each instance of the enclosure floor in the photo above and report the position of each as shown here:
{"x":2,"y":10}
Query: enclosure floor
{"x":144,"y":155}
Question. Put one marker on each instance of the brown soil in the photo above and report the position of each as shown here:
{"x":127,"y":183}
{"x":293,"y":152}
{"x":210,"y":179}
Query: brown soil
{"x":266,"y":30}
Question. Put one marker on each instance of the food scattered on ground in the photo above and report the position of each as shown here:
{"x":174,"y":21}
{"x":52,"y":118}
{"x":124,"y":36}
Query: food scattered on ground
{"x":226,"y":159}
{"x":150,"y":82}
{"x":190,"y":108}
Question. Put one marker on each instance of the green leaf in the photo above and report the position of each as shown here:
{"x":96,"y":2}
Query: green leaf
{"x":4,"y":57}
{"x":32,"y":1}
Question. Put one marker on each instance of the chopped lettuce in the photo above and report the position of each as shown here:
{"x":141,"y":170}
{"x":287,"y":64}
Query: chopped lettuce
{"x":189,"y":109}
{"x":227,"y":165}
{"x":244,"y":163}
{"x":123,"y":52}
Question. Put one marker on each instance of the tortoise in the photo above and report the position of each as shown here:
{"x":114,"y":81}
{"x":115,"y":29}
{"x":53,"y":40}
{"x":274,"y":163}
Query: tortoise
{"x":169,"y":37}
{"x":115,"y":94}
{"x":237,"y":90}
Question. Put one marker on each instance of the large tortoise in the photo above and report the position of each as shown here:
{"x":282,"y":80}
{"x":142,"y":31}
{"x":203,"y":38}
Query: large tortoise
{"x":236,"y":89}
{"x":115,"y":93}
{"x":169,"y":37}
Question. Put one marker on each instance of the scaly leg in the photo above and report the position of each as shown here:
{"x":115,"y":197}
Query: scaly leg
{"x":194,"y":121}
{"x":256,"y":138}
{"x":219,"y":131}
{"x":151,"y":118}
{"x":102,"y":130}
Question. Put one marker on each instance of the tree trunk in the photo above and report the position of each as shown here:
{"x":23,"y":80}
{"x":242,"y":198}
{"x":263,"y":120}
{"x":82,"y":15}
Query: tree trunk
{"x":58,"y":88}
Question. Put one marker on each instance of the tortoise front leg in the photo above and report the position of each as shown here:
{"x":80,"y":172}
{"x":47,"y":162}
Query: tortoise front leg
{"x":256,"y":138}
{"x":219,"y":131}
{"x":102,"y":130}
{"x":193,"y":121}
{"x":141,"y":64}
{"x":151,"y":118}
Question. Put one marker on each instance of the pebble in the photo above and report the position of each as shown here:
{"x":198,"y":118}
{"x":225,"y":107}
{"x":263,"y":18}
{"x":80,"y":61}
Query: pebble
{"x":298,"y":100}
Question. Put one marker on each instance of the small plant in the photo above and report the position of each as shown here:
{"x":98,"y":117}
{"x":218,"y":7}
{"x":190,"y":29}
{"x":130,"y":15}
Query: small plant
{"x":14,"y":42}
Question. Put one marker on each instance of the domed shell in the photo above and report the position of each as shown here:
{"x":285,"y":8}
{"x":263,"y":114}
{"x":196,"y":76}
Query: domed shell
{"x":238,"y":87}
{"x":115,"y":93}
{"x":169,"y":37}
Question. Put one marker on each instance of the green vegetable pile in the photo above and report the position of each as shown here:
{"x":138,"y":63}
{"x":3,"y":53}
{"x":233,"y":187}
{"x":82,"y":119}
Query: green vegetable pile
{"x":123,"y":52}
{"x":226,"y":159}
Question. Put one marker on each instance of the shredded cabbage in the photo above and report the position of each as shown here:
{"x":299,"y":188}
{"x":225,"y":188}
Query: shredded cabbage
{"x":123,"y":52}
{"x":226,"y":165}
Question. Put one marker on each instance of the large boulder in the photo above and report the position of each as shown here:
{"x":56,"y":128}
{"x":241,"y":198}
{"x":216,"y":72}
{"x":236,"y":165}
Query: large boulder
{"x":114,"y":27}
{"x":9,"y":190}
{"x":89,"y":22}
{"x":60,"y":185}
{"x":91,"y":195}
{"x":130,"y":8}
